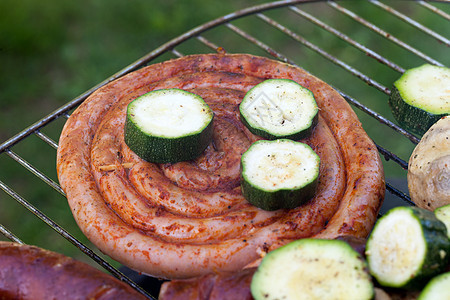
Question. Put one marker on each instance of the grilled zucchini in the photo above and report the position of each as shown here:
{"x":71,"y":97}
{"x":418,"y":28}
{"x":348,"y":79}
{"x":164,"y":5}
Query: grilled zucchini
{"x":420,"y":97}
{"x":407,"y":247}
{"x":279,"y":108}
{"x":279,"y":174}
{"x":168,"y":126}
{"x":437,"y":288}
{"x":312,"y":269}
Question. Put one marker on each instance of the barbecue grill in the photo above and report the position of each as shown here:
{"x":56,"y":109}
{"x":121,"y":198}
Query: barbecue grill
{"x":340,"y":42}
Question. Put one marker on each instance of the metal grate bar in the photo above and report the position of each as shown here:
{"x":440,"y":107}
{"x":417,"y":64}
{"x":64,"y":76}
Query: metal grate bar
{"x":367,"y":51}
{"x":9,"y":235}
{"x":35,"y":171}
{"x":388,"y":155}
{"x":207,"y":42}
{"x":177,"y":53}
{"x":368,"y":80}
{"x":380,"y":118}
{"x":399,"y":194}
{"x":325,"y":54}
{"x":71,"y":239}
{"x":410,"y":21}
{"x":46,"y":139}
{"x":435,"y":10}
{"x":62,"y":111}
{"x":377,"y":116}
{"x":260,"y":44}
{"x":348,"y":98}
{"x":384,"y":33}
{"x":202,"y":28}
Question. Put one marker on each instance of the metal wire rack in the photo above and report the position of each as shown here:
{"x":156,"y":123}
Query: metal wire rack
{"x":358,"y":47}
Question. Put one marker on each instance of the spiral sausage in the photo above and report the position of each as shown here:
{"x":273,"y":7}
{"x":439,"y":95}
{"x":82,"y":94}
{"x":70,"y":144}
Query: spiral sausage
{"x":187,"y":219}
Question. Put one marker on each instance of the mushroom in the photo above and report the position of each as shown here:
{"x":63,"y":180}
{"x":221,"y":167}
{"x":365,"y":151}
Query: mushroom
{"x":429,"y":167}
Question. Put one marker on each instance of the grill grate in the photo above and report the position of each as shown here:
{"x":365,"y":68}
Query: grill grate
{"x":329,"y":32}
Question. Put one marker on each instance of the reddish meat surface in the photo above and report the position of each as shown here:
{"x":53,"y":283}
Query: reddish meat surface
{"x":190,"y":218}
{"x":29,"y":272}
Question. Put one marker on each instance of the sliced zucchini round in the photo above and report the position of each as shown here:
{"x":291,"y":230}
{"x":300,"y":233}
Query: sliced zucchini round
{"x":168,"y":126}
{"x":279,"y":174}
{"x":437,"y":288}
{"x":420,"y":97}
{"x":407,"y":246}
{"x":443,"y":214}
{"x":312,"y":269}
{"x":279,"y":108}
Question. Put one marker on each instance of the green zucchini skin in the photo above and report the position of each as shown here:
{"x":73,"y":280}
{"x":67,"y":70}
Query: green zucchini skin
{"x":437,"y":288}
{"x":270,"y":136}
{"x":413,"y":119}
{"x":437,"y":249}
{"x":281,"y":199}
{"x":166,"y":150}
{"x":312,"y":269}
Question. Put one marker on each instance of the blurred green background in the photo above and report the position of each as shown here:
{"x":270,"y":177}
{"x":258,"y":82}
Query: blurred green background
{"x":52,"y":51}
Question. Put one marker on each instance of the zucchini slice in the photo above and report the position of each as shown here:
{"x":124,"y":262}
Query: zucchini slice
{"x":437,"y":288}
{"x":279,"y":174}
{"x":279,"y":108}
{"x":168,"y":126}
{"x":407,"y":246}
{"x":312,"y":269}
{"x":420,"y":97}
{"x":443,"y":214}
